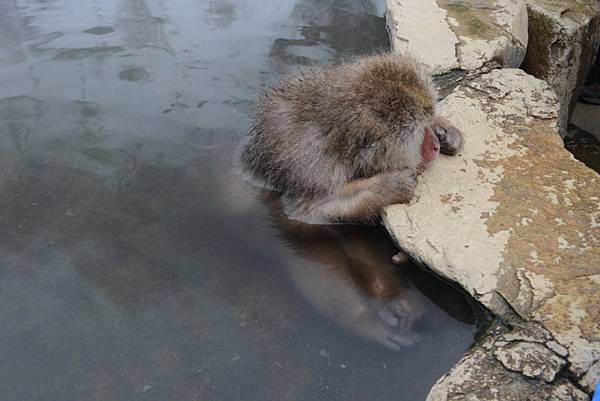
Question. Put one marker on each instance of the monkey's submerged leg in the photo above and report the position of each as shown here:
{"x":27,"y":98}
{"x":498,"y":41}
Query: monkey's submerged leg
{"x":361,"y":200}
{"x":450,"y":137}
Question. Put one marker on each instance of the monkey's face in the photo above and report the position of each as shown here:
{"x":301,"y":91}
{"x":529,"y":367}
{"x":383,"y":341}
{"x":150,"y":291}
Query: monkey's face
{"x":430,"y":147}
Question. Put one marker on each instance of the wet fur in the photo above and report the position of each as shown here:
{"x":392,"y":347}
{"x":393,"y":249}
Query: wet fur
{"x":342,"y":142}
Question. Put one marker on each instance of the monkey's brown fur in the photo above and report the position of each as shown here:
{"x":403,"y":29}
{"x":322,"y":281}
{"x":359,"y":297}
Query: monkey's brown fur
{"x":342,"y":142}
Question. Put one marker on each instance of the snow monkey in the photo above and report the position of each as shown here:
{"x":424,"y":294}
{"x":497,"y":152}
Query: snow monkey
{"x":344,"y":141}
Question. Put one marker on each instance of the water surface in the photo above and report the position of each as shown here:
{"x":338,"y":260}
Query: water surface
{"x":584,"y":145}
{"x":133,"y":265}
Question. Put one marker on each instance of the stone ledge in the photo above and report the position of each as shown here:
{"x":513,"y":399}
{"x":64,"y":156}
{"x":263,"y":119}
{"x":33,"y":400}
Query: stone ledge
{"x":515,"y":220}
{"x":468,"y":35}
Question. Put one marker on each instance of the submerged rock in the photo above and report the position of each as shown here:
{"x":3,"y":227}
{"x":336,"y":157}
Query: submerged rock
{"x":515,"y":220}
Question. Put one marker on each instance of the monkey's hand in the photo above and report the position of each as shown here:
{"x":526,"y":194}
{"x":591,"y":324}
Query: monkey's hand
{"x":398,"y":186}
{"x":450,"y":137}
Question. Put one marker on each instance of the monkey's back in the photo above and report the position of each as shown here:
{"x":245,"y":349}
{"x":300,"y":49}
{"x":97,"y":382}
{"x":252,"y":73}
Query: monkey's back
{"x":316,"y":130}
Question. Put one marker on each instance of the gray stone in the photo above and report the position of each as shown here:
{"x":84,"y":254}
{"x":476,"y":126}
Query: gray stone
{"x":468,"y":35}
{"x":533,"y":360}
{"x":557,"y":348}
{"x":590,"y":379}
{"x":563,"y":40}
{"x":479,"y":376}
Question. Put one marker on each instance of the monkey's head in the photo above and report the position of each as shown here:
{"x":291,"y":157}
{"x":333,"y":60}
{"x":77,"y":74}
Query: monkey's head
{"x":397,"y":92}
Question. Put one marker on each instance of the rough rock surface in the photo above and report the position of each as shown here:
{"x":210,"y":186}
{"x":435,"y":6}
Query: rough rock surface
{"x":563,"y":41}
{"x":468,"y":35}
{"x":515,"y":220}
{"x":482,"y":375}
{"x":533,"y":360}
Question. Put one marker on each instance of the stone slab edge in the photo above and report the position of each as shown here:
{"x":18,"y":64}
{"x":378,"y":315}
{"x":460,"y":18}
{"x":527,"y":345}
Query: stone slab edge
{"x":509,"y":119}
{"x":449,"y":35}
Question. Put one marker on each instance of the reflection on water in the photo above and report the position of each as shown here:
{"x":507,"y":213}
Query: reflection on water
{"x":133,"y":265}
{"x":331,"y":31}
{"x":346,"y":272}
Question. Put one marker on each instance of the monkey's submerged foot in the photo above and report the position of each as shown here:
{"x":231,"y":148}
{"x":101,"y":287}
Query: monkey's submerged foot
{"x":406,"y":310}
{"x":391,"y":323}
{"x":450,"y":137}
{"x":393,"y":330}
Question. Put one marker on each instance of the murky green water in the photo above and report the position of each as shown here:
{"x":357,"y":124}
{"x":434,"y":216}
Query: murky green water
{"x":134,"y":265}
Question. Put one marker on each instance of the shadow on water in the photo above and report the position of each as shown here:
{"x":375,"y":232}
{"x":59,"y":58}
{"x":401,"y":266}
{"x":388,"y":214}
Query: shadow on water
{"x":134,"y":266}
{"x":584,"y":146}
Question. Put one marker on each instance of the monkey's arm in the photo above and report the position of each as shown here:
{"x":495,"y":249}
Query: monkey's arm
{"x":450,"y":137}
{"x":361,"y":200}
